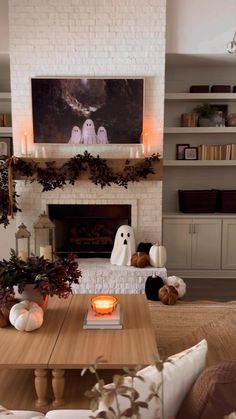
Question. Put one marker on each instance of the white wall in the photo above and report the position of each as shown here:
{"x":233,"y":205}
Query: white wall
{"x":200,"y":26}
{"x":93,"y":38}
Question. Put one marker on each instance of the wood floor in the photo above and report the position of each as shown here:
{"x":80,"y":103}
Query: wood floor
{"x":217,"y":289}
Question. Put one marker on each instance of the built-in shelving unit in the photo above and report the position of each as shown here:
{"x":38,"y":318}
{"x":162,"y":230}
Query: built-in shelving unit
{"x":198,"y":245}
{"x":5,"y":107}
{"x":200,"y":130}
{"x":200,"y":96}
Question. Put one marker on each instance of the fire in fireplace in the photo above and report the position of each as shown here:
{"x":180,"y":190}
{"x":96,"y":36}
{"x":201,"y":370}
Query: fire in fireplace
{"x":87,"y":230}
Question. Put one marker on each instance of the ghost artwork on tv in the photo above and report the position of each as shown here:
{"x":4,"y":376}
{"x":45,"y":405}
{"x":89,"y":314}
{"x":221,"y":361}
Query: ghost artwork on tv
{"x":87,"y":111}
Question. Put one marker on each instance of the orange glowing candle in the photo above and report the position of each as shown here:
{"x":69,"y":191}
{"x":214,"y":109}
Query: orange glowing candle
{"x":104,"y":304}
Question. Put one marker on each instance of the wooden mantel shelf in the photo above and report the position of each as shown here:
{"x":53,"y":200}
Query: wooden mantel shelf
{"x":115,"y":164}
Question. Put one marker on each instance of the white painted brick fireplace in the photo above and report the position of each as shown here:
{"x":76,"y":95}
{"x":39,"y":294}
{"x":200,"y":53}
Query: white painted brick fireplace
{"x":98,"y":38}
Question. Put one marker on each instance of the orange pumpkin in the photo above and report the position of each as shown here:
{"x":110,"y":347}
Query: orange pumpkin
{"x":140,"y":260}
{"x":168,"y":295}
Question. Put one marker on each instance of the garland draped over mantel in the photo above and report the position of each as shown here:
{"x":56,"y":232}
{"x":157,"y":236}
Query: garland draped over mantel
{"x":52,"y":176}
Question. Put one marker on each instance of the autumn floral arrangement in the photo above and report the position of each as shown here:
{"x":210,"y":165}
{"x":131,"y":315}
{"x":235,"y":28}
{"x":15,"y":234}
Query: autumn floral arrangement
{"x":51,"y":176}
{"x":49,"y":277}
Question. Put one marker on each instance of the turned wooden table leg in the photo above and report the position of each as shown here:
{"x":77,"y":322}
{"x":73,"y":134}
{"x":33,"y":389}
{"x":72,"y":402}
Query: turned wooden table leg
{"x":58,"y":384}
{"x":40,"y":382}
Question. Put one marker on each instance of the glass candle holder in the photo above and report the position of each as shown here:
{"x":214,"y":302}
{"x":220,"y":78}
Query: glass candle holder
{"x":104,"y":304}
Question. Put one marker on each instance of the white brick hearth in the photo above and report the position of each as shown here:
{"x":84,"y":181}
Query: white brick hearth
{"x":99,"y":276}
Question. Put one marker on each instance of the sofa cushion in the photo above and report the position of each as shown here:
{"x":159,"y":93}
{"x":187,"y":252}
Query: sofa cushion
{"x":68,"y":414}
{"x":213,"y":395}
{"x":177,"y":376}
{"x":19,"y":414}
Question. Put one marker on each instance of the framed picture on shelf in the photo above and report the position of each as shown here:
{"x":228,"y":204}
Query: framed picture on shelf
{"x":190,"y":153}
{"x":6,"y":148}
{"x":180,"y":151}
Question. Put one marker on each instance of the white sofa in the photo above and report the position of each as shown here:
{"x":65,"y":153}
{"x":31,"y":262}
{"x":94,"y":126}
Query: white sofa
{"x":177,"y":378}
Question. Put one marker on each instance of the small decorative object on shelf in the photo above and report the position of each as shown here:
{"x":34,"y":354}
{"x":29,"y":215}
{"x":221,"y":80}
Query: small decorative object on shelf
{"x":180,"y":151}
{"x":190,"y":153}
{"x":205,"y":113}
{"x":104,"y":304}
{"x":44,"y":237}
{"x":22,"y":242}
{"x":218,"y":119}
{"x":231,"y":120}
{"x":189,"y":119}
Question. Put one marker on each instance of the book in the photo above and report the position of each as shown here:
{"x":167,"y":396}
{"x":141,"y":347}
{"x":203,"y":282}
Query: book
{"x":105,"y":321}
{"x":103,"y":326}
{"x":93,"y":318}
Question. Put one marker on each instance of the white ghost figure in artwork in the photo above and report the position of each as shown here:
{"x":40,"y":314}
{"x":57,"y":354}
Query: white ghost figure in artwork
{"x":88,"y":132}
{"x":124,"y":246}
{"x":75,"y":136}
{"x":102,"y":136}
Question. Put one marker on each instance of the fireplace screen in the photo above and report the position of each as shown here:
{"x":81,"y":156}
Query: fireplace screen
{"x":87,"y":230}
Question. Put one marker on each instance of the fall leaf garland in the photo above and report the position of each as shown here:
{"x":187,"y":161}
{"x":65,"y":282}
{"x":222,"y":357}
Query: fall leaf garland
{"x":52,"y":177}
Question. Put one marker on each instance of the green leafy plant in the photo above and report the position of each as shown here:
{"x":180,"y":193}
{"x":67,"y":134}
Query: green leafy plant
{"x":110,"y":394}
{"x":49,"y":277}
{"x":205,"y":110}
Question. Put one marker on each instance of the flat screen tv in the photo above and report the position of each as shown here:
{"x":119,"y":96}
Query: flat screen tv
{"x":87,"y":110}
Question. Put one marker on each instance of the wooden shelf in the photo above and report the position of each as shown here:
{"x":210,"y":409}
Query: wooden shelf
{"x":191,"y":163}
{"x":5,"y":131}
{"x":5,"y":97}
{"x":200,"y":96}
{"x":200,"y":130}
{"x":116,"y":164}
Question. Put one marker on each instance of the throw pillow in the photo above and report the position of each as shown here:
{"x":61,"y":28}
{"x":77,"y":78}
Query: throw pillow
{"x":177,"y":377}
{"x":5,"y":413}
{"x":213,"y":393}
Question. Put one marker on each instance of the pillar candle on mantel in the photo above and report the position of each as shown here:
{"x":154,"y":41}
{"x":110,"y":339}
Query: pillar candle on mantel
{"x":146,"y":145}
{"x":24,"y":144}
{"x":46,"y":252}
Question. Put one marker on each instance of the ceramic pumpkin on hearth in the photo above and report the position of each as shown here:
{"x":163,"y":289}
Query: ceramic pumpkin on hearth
{"x":168,"y":295}
{"x":158,"y":257}
{"x":140,"y":260}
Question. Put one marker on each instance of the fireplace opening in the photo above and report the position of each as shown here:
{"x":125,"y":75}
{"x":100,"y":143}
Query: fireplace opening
{"x":87,"y":230}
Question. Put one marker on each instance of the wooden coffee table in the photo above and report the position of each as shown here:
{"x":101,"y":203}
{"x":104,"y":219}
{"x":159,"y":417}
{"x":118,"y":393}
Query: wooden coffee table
{"x":77,"y":348}
{"x":32,"y":350}
{"x":62,"y":343}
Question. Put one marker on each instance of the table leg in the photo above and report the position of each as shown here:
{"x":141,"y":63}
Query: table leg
{"x":40,"y":383}
{"x":58,"y":384}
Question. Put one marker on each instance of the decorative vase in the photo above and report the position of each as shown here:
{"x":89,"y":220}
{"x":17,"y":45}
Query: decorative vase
{"x":205,"y":122}
{"x":32,"y":294}
{"x":232,"y":120}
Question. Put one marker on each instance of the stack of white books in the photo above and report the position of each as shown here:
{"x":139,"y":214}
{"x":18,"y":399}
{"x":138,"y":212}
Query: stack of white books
{"x":104,"y":321}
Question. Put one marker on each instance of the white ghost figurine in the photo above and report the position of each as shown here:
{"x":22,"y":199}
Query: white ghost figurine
{"x":124,"y":246}
{"x":75,"y":136}
{"x":88,"y":132}
{"x":102,"y":136}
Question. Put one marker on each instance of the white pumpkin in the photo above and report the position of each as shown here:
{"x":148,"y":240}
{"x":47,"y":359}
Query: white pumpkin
{"x":178,"y":283}
{"x":26,"y":316}
{"x":157,"y":256}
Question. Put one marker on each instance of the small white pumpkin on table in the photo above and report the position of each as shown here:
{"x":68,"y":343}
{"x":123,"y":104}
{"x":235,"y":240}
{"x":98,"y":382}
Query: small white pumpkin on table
{"x":26,"y":316}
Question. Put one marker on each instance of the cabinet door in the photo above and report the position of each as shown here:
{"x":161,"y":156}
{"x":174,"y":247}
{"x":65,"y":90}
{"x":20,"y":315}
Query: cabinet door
{"x":206,"y":243}
{"x":177,"y":240}
{"x":229,"y":244}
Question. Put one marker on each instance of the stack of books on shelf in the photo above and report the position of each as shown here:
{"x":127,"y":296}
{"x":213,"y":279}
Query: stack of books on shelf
{"x":104,"y":321}
{"x":217,"y":152}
